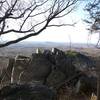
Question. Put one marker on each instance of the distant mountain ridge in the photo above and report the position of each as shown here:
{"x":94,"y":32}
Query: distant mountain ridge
{"x":27,"y":48}
{"x":52,"y":44}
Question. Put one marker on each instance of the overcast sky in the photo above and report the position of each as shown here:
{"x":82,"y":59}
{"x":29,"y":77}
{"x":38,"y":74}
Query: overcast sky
{"x":77,"y":34}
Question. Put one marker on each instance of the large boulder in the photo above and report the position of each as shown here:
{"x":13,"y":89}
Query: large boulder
{"x":4,"y":61}
{"x":55,"y":78}
{"x":56,"y":51}
{"x":27,"y":92}
{"x":58,"y":55}
{"x":81,"y":61}
{"x":66,"y":66}
{"x":86,"y":85}
{"x":21,"y":64}
{"x":6,"y":73}
{"x":38,"y":69}
{"x":49,"y":55}
{"x":54,"y":56}
{"x":61,"y":61}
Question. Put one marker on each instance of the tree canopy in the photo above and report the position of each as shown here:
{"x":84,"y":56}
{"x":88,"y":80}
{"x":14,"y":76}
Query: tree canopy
{"x":28,"y":18}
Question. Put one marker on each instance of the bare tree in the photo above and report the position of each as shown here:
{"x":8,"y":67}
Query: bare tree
{"x":28,"y":18}
{"x":93,"y":9}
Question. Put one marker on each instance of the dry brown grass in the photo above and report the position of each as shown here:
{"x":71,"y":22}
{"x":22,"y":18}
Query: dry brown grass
{"x":93,"y":97}
{"x":67,"y":93}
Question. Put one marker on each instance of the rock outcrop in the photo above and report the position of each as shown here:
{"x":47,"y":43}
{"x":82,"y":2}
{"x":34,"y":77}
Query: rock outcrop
{"x":87,"y":85}
{"x":55,"y":78}
{"x":49,"y":68}
{"x":35,"y":69}
{"x":6,"y":73}
{"x":27,"y":92}
{"x":81,"y":61}
{"x":60,"y":61}
{"x":20,"y":65}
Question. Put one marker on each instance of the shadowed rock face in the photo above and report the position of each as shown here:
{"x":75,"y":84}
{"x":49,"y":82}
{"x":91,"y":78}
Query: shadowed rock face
{"x":6,"y":73}
{"x":54,"y":56}
{"x":35,"y":69}
{"x":48,"y":54}
{"x":20,"y":65}
{"x":55,"y":78}
{"x":60,"y":61}
{"x":83,"y":62}
{"x":3,"y":65}
{"x":87,"y":85}
{"x":26,"y":92}
{"x":39,"y":68}
{"x":70,"y":61}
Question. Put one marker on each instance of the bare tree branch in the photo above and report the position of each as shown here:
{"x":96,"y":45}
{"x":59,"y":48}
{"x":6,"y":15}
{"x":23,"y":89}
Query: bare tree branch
{"x":31,"y":17}
{"x":93,"y":8}
{"x":55,"y":25}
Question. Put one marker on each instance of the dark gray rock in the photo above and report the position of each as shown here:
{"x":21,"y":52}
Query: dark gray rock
{"x":87,"y":85}
{"x":58,"y":55}
{"x":4,"y":61}
{"x":6,"y":73}
{"x":56,"y":51}
{"x":48,"y":54}
{"x":55,"y":78}
{"x":64,"y":63}
{"x":27,"y":92}
{"x":52,"y":56}
{"x":21,"y":64}
{"x":59,"y":59}
{"x":66,"y":66}
{"x":83,"y":62}
{"x":38,"y":70}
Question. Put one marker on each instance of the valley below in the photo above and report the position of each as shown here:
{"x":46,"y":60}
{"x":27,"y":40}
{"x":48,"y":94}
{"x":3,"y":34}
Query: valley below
{"x":27,"y":48}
